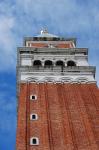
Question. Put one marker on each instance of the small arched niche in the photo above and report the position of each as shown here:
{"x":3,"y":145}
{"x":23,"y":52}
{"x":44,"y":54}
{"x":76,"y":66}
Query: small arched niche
{"x":34,"y":141}
{"x":37,"y":63}
{"x":60,"y":63}
{"x":48,"y":63}
{"x":71,"y":63}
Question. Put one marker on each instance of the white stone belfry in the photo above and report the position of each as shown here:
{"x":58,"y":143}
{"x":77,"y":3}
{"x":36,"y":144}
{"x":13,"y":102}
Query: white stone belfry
{"x":49,"y":58}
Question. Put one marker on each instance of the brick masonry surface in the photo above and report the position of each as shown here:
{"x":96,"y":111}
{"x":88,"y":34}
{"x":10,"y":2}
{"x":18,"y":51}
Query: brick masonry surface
{"x":68,"y":116}
{"x":66,"y":45}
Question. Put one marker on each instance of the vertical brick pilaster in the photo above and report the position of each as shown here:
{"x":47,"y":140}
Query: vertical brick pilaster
{"x":21,"y":120}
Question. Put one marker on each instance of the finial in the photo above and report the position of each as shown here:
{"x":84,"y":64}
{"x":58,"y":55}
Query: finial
{"x":43,"y":31}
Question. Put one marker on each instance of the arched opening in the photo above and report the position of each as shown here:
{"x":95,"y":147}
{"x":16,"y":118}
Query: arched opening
{"x":37,"y":63}
{"x":48,"y":63}
{"x":34,"y":141}
{"x":59,"y":63}
{"x":71,"y":63}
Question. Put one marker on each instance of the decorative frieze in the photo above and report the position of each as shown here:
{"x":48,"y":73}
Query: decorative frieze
{"x":58,"y":79}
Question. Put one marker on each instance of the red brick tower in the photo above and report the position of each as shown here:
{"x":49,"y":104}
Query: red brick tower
{"x":58,"y":99}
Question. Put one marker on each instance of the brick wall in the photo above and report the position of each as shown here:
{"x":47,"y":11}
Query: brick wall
{"x":61,"y":45}
{"x":68,"y":117}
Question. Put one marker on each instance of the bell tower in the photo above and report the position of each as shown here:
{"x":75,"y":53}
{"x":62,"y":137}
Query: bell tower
{"x":58,"y":99}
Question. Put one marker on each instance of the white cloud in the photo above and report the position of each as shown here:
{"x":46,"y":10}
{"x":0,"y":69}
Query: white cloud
{"x":7,"y":42}
{"x":27,"y":17}
{"x":7,"y":37}
{"x":63,"y":15}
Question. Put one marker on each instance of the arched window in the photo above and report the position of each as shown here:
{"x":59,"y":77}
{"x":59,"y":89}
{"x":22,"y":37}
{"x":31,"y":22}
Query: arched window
{"x":37,"y":63}
{"x":34,"y":141}
{"x":48,"y":63}
{"x":71,"y":63}
{"x":59,"y":63}
{"x":33,"y":97}
{"x":33,"y":117}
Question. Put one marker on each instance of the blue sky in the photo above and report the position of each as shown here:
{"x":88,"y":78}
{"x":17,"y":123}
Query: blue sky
{"x":68,"y":18}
